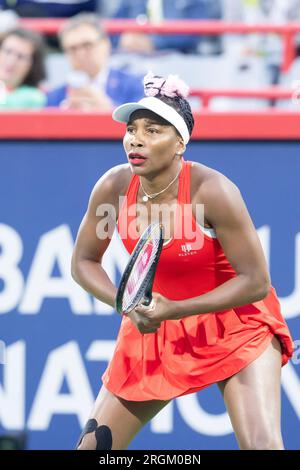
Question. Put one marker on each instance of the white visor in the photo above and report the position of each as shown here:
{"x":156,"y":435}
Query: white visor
{"x":123,"y":113}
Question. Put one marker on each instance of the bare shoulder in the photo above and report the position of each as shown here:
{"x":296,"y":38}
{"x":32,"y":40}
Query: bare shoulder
{"x":221,"y":198}
{"x":208,"y":184}
{"x":112,"y":184}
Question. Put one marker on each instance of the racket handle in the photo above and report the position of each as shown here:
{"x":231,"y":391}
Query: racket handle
{"x":147,"y":300}
{"x":150,"y":304}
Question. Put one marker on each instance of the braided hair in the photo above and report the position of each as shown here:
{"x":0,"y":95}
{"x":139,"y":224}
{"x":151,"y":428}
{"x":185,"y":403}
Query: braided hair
{"x":173,"y":92}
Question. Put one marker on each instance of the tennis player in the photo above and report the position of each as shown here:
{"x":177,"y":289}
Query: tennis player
{"x":216,"y":318}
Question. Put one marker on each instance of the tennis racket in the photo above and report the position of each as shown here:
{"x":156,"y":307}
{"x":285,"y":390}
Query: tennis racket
{"x":137,"y":280}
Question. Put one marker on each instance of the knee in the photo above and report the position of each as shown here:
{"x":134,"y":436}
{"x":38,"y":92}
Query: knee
{"x":263,"y":443}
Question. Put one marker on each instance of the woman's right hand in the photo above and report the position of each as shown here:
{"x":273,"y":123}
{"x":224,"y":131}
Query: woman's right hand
{"x":142,"y":323}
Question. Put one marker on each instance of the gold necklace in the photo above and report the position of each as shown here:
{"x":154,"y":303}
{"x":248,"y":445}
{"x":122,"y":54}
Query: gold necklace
{"x":147,"y":196}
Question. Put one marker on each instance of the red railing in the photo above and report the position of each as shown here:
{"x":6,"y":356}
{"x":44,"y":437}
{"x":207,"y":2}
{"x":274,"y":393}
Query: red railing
{"x":286,"y":31}
{"x":271,"y":93}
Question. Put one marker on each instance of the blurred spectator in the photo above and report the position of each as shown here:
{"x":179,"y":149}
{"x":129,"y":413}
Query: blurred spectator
{"x":93,"y":85}
{"x":158,"y":10}
{"x":44,"y":8}
{"x":21,"y":69}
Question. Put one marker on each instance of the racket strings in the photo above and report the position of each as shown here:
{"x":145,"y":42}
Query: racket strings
{"x":140,"y":270}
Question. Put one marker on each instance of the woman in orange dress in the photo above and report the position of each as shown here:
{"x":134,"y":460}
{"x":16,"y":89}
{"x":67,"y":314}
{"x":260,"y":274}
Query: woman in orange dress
{"x":216,"y":318}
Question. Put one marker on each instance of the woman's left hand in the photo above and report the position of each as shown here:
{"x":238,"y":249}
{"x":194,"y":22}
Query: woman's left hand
{"x":163,"y":309}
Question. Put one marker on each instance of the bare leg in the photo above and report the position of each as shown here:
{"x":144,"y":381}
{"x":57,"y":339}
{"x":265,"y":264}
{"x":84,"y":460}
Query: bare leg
{"x":117,"y":420}
{"x":252,"y":398}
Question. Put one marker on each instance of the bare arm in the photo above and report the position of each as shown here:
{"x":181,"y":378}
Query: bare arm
{"x":227,"y":213}
{"x":94,"y":236}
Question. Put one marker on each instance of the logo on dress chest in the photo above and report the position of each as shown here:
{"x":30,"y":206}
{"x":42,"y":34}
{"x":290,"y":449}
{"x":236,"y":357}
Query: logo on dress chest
{"x":187,"y":250}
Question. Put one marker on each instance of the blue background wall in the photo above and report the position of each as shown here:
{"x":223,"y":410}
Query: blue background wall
{"x":58,"y":340}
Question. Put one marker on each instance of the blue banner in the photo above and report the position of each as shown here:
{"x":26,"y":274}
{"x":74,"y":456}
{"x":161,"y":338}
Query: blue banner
{"x":56,"y":340}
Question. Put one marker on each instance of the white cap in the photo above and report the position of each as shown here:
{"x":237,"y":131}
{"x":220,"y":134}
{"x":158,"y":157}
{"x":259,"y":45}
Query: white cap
{"x":123,"y":113}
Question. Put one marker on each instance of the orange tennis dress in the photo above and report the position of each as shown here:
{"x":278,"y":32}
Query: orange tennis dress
{"x":188,"y":354}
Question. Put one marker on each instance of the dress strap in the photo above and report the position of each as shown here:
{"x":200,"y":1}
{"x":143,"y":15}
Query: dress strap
{"x":184,"y":190}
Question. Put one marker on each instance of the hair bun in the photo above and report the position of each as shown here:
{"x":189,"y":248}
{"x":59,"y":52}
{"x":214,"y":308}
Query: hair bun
{"x":171,"y":86}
